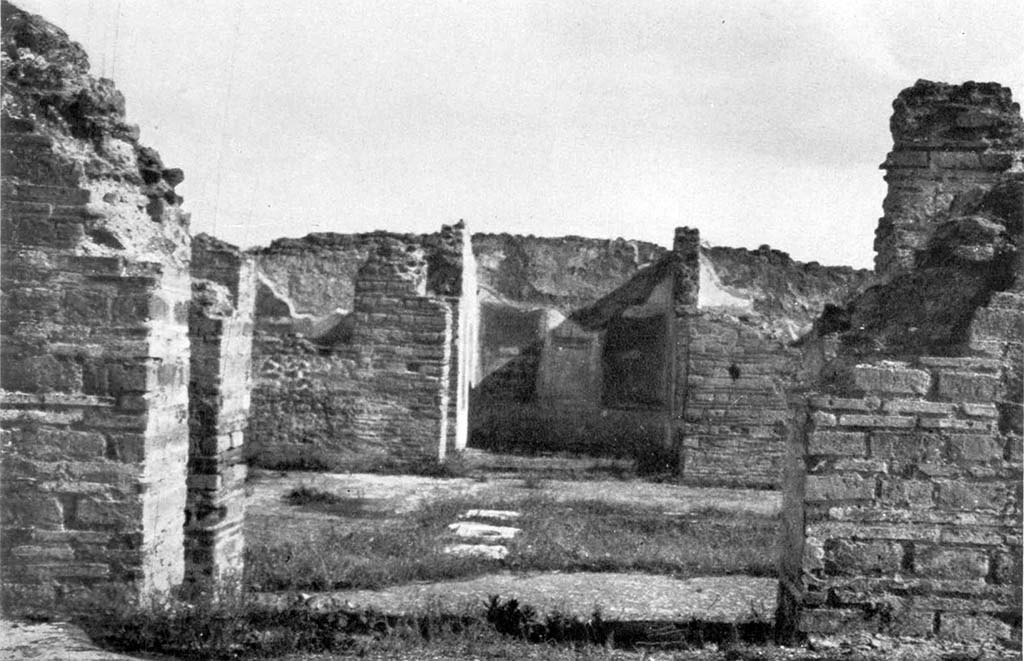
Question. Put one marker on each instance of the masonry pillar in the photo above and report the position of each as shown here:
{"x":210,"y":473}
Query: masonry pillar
{"x":903,"y":500}
{"x":685,"y":287}
{"x":220,"y":329}
{"x":401,"y":344}
{"x":94,"y":341}
{"x":948,"y":141}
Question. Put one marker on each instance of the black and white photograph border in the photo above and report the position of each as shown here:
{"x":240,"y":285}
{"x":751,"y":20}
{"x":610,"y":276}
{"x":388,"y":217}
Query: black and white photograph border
{"x":590,"y":330}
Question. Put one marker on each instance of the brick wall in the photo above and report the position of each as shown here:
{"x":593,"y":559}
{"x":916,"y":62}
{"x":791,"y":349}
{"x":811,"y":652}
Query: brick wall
{"x":735,"y":403}
{"x":382,"y":396}
{"x":220,"y":330}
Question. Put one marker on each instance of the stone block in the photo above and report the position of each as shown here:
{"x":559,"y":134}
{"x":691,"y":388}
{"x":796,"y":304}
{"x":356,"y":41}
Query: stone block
{"x":44,"y":552}
{"x":906,"y":159}
{"x":838,"y":487}
{"x":975,"y":447}
{"x":967,"y":496}
{"x":906,"y":449}
{"x":894,"y":378}
{"x":859,"y":465}
{"x":968,"y":386}
{"x":824,"y":419}
{"x":957,"y":424}
{"x":952,"y":563}
{"x":955,"y":160}
{"x":831,"y":442}
{"x":42,"y":374}
{"x":832,"y":620}
{"x":93,"y":512}
{"x":980,"y":410}
{"x":906,"y":493}
{"x":856,"y":404}
{"x":50,"y":444}
{"x":998,"y":324}
{"x":919,"y":407}
{"x":916,"y":623}
{"x":1007,"y":567}
{"x":888,"y":421}
{"x":20,"y":507}
{"x":966,"y":626}
{"x":853,"y":557}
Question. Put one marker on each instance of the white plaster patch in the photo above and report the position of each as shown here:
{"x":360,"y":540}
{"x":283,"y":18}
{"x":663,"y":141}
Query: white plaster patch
{"x":713,"y":294}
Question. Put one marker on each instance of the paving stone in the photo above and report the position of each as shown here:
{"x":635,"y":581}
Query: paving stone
{"x":473,"y":529}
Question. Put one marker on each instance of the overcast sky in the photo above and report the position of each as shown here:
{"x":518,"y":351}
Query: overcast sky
{"x":758,"y":122}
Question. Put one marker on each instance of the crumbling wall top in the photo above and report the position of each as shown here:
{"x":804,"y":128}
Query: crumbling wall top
{"x":968,"y":115}
{"x":65,"y":128}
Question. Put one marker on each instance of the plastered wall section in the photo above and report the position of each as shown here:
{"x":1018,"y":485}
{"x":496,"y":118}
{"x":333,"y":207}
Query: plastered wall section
{"x":537,"y":382}
{"x":95,"y":372}
{"x":220,"y":330}
{"x":904,"y":504}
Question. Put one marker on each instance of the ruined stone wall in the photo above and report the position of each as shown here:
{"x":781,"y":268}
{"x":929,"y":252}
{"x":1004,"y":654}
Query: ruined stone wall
{"x":949,"y":140}
{"x":911,"y":501}
{"x":220,"y":330}
{"x":377,"y":394}
{"x":735,"y":404}
{"x":752,"y":305}
{"x":94,"y":356}
{"x":686,"y":355}
{"x":903,"y":501}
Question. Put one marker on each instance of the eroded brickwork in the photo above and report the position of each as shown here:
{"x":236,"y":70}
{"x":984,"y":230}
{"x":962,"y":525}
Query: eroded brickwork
{"x":220,"y":330}
{"x":94,"y":337}
{"x":750,"y":307}
{"x":903,"y":501}
{"x":360,"y":388}
{"x":948,"y":140}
